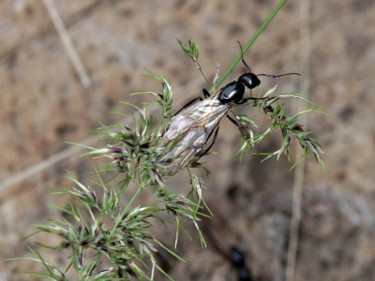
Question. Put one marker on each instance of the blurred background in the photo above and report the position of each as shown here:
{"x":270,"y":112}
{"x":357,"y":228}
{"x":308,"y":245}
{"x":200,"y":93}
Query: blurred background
{"x":58,"y":80}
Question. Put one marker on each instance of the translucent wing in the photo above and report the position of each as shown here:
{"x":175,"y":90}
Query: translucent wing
{"x":190,"y":130}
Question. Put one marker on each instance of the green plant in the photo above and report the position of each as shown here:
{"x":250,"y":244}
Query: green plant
{"x":108,"y":240}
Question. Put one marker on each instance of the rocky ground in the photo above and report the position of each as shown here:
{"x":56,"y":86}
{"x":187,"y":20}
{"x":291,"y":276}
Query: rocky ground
{"x":45,"y":103}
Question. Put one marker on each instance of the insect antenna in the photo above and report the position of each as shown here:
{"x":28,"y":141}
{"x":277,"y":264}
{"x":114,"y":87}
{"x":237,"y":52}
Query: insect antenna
{"x":275,"y":76}
{"x":243,"y":60}
{"x":263,"y":74}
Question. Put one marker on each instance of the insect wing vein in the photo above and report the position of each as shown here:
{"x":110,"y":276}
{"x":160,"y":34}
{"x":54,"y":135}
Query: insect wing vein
{"x":192,"y":128}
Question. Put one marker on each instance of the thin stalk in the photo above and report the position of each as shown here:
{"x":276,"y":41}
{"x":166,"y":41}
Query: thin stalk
{"x":247,"y":46}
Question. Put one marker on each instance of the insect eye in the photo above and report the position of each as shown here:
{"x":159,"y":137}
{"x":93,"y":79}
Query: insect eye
{"x":233,"y":92}
{"x":250,"y":80}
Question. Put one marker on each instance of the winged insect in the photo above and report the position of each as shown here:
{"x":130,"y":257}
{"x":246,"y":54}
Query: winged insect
{"x":199,"y":121}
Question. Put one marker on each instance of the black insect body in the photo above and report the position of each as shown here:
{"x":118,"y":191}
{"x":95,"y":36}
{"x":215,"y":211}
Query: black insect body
{"x":238,"y":260}
{"x":234,"y":91}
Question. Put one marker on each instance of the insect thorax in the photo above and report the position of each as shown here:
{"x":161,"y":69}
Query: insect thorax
{"x":233,"y":92}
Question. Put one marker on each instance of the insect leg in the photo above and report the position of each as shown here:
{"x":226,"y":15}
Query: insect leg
{"x":188,"y":104}
{"x":243,"y":131}
{"x":249,"y":98}
{"x":206,"y":93}
{"x":210,"y":146}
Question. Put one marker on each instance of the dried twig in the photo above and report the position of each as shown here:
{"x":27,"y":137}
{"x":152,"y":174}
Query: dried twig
{"x":64,"y":36}
{"x":305,"y":34}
